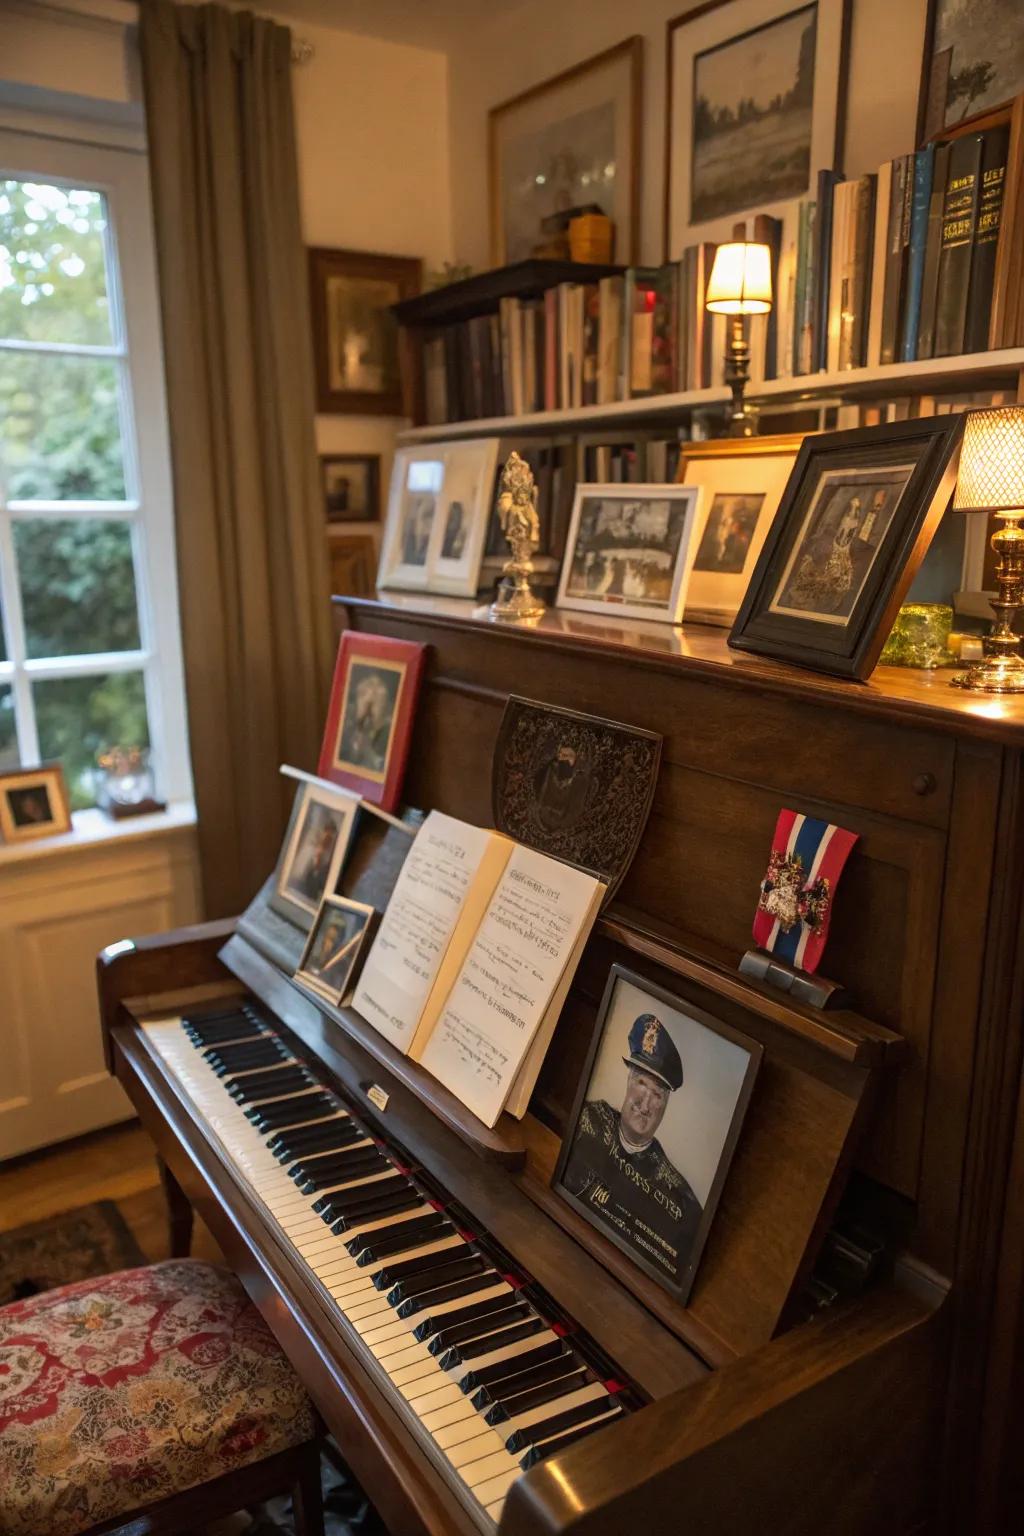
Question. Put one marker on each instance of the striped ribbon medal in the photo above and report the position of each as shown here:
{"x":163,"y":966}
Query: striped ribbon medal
{"x":795,"y":903}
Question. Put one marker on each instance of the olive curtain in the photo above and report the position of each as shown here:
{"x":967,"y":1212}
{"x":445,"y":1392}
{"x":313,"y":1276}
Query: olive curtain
{"x":252,"y":565}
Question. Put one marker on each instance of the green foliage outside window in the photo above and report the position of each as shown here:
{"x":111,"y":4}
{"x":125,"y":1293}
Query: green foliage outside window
{"x":76,"y":717}
{"x":77,"y":586}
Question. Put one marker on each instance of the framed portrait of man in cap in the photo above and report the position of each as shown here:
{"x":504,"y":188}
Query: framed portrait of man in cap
{"x":656,"y":1119}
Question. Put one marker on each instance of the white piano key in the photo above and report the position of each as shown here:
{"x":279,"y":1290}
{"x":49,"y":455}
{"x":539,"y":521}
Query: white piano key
{"x":482,"y":1473}
{"x":576,"y":1399}
{"x":497,"y":1487}
{"x":472,"y":1449}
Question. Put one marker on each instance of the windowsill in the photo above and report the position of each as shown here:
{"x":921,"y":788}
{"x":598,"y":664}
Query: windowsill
{"x":91,"y":829}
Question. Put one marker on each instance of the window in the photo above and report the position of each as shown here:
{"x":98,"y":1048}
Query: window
{"x":89,"y":644}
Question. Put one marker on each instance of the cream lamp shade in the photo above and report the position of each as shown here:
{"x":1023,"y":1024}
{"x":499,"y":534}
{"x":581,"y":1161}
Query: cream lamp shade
{"x":991,"y":474}
{"x":741,"y":279}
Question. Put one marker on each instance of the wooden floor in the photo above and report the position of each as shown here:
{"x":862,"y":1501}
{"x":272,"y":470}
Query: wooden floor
{"x":117,"y":1164}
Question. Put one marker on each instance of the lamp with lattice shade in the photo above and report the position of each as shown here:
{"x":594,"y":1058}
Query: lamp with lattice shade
{"x":991,"y":480}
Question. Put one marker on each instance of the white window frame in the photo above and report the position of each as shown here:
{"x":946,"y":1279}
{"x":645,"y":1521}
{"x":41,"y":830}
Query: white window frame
{"x":122,"y":174}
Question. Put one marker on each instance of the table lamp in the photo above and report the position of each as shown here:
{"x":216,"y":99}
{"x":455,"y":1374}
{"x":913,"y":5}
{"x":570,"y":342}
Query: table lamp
{"x":991,"y":480}
{"x":740,"y":284}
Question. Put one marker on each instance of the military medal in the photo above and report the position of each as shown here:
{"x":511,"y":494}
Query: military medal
{"x":795,"y":901}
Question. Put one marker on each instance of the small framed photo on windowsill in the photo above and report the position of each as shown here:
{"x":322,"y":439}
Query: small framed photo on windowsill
{"x":335,"y":947}
{"x":33,"y":803}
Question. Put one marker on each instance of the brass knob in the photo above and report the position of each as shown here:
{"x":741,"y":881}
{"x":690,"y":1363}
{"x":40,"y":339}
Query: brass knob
{"x":924,"y":784}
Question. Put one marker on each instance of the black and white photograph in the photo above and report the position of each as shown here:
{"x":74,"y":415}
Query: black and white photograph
{"x":335,"y":945}
{"x":627,"y":549}
{"x":33,"y":803}
{"x":351,"y":484}
{"x":728,"y":533}
{"x":417,"y":522}
{"x":314,"y":848}
{"x":438,"y":508}
{"x":975,"y":61}
{"x":656,"y":1121}
{"x":368,"y":713}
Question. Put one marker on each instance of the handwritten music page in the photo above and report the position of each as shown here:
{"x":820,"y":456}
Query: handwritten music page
{"x":500,"y":998}
{"x":448,"y":877}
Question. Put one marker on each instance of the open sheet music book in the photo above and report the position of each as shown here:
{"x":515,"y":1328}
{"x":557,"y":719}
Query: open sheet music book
{"x":473,"y":959}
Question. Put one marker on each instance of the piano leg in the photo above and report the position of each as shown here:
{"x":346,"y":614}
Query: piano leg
{"x":307,"y":1495}
{"x":179,"y":1212}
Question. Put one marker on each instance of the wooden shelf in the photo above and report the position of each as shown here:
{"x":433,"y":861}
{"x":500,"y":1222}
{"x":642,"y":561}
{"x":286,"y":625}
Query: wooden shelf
{"x":481,"y":294}
{"x":973,"y":370}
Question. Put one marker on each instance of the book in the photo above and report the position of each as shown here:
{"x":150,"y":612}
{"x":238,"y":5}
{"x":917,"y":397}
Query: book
{"x":590,"y":299}
{"x":435,"y":393}
{"x":897,"y":242}
{"x":986,"y":237}
{"x":803,"y":330}
{"x":769,"y":232}
{"x":920,"y":203}
{"x":551,"y":357}
{"x":641,"y":325}
{"x":959,"y":215}
{"x":883,"y":194}
{"x":933,"y":243}
{"x":472,"y":959}
{"x":851,"y":273}
{"x":827,"y":182}
{"x":609,"y":339}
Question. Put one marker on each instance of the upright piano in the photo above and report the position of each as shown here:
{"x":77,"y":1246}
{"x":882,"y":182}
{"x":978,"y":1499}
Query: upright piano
{"x":851,"y":1356}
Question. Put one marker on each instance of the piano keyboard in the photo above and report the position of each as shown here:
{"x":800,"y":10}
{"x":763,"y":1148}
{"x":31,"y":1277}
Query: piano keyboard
{"x":476,"y":1357}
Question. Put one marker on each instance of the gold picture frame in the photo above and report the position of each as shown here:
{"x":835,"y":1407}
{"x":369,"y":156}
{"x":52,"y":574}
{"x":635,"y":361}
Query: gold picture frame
{"x":33,"y":803}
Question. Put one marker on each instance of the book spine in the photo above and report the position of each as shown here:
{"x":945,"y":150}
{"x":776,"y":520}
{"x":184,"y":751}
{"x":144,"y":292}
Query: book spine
{"x":924,"y":163}
{"x":551,"y":349}
{"x":591,"y":302}
{"x":894,"y":262}
{"x":986,"y":238}
{"x":769,"y":232}
{"x":827,"y":182}
{"x":959,"y":217}
{"x":862,"y":242}
{"x":838,"y":275}
{"x":451,"y":372}
{"x":933,"y":244}
{"x":707,"y":331}
{"x":883,"y":199}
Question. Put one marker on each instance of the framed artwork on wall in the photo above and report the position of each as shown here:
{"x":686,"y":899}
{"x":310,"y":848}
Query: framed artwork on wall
{"x":439,"y":506}
{"x":33,"y":803}
{"x":351,"y":483}
{"x":741,"y":481}
{"x":571,"y":142}
{"x":853,"y":526}
{"x":973,"y":61}
{"x":755,"y":110}
{"x":355,"y":335}
{"x":370,"y":715}
{"x":628,"y":550}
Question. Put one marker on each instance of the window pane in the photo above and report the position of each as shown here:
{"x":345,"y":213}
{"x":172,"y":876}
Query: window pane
{"x":53,"y":277}
{"x":76,"y":717}
{"x":60,"y":438}
{"x":8,"y":735}
{"x":77,"y":586}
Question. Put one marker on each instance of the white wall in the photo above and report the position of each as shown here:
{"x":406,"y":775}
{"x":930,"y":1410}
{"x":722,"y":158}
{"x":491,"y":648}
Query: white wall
{"x":511,"y":52}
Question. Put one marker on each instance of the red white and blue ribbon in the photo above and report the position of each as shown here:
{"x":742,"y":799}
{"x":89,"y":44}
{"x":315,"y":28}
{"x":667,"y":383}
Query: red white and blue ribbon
{"x":795,"y":904}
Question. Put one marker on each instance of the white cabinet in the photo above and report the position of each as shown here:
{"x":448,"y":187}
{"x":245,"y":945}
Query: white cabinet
{"x":61,"y":902}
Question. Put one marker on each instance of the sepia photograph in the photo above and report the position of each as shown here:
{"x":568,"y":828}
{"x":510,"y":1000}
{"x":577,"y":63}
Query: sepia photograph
{"x":976,"y":61}
{"x":368,"y":716}
{"x":627,"y":550}
{"x":355,"y":334}
{"x":752,"y":103}
{"x":351,"y":484}
{"x":314,"y":847}
{"x":728,"y":533}
{"x":334,"y":947}
{"x":33,"y":803}
{"x":655,"y":1125}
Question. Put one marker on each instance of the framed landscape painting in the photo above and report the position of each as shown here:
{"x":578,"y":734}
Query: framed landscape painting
{"x":755,"y":110}
{"x":355,"y":335}
{"x":572,"y":142}
{"x":973,"y":61}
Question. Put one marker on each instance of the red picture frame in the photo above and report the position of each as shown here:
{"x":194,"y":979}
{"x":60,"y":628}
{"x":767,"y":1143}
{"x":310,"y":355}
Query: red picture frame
{"x":369,"y":719}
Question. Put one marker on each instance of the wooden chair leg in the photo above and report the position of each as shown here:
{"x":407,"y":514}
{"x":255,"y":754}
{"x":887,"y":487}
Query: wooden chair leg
{"x":308,"y":1495}
{"x":179,"y":1213}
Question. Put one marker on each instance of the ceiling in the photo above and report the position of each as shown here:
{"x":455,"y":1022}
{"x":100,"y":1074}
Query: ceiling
{"x":423,"y":23}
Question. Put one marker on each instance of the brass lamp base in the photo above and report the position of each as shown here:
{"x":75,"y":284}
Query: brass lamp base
{"x":1002,"y":669}
{"x":995,"y":674}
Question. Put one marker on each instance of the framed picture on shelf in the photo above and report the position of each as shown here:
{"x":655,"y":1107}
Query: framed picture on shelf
{"x":370,"y":715}
{"x":671,"y":1083}
{"x":313,"y":852}
{"x":438,"y":511}
{"x":33,"y":803}
{"x":572,"y":142}
{"x":853,"y":526}
{"x":741,"y":481}
{"x":336,"y":944}
{"x":755,"y":110}
{"x":351,"y":483}
{"x":628,"y":550}
{"x":973,"y":61}
{"x":355,"y":335}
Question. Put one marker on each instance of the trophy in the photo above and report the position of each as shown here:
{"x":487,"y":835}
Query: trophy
{"x":517,"y":512}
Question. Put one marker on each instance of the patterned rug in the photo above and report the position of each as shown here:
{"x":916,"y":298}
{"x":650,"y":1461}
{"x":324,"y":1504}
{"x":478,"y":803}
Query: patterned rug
{"x":74,"y":1245}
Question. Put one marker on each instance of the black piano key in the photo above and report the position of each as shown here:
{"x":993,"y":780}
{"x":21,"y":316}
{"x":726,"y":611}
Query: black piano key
{"x":304,"y":1110}
{"x":450,"y":1335}
{"x":261,"y":1085}
{"x":558,"y":1423}
{"x":392,"y":1207}
{"x":223,"y":1034}
{"x":226,"y":1060}
{"x":432,"y":1326}
{"x":283,"y":1141}
{"x":395,"y":1188}
{"x":409,"y":1299}
{"x":309,"y":1141}
{"x":225,"y":1018}
{"x":462,"y":1354}
{"x":370,"y":1248}
{"x":408,"y":1277}
{"x":486,"y":1398}
{"x":361,"y":1163}
{"x":549,"y":1391}
{"x":560,"y":1443}
{"x":491,"y":1375}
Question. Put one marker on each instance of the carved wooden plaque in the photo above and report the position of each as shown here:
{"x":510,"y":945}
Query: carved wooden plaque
{"x":574,"y":786}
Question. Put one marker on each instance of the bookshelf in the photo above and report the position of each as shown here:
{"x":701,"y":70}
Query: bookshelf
{"x":1002,"y":369}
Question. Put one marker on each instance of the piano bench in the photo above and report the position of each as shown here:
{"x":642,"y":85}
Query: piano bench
{"x":148,"y":1401}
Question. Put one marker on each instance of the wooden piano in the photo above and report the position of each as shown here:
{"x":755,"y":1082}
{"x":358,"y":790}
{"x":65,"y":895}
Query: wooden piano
{"x":794,"y":1393}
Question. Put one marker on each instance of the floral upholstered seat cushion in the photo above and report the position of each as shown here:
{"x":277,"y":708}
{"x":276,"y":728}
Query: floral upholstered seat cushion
{"x":117,"y":1392}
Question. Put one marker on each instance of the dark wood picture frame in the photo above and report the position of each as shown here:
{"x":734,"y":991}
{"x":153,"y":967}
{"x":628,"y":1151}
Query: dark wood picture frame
{"x":929,"y":124}
{"x":406,"y":274}
{"x":680,"y":1290}
{"x":851,"y":648}
{"x":358,"y":947}
{"x":632,"y":48}
{"x":370,"y":462}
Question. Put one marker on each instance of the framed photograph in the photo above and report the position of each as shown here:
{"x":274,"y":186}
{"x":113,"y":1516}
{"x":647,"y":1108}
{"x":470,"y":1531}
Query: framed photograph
{"x":855,"y":521}
{"x":336,"y":944}
{"x":572,"y":142}
{"x":755,"y":110}
{"x":351,"y":483}
{"x":628,"y":550}
{"x":656,"y":1120}
{"x":370,"y":715}
{"x":973,"y":61}
{"x":33,"y":803}
{"x":313,"y":852}
{"x":355,"y":335}
{"x":741,"y":481}
{"x":439,"y":507}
